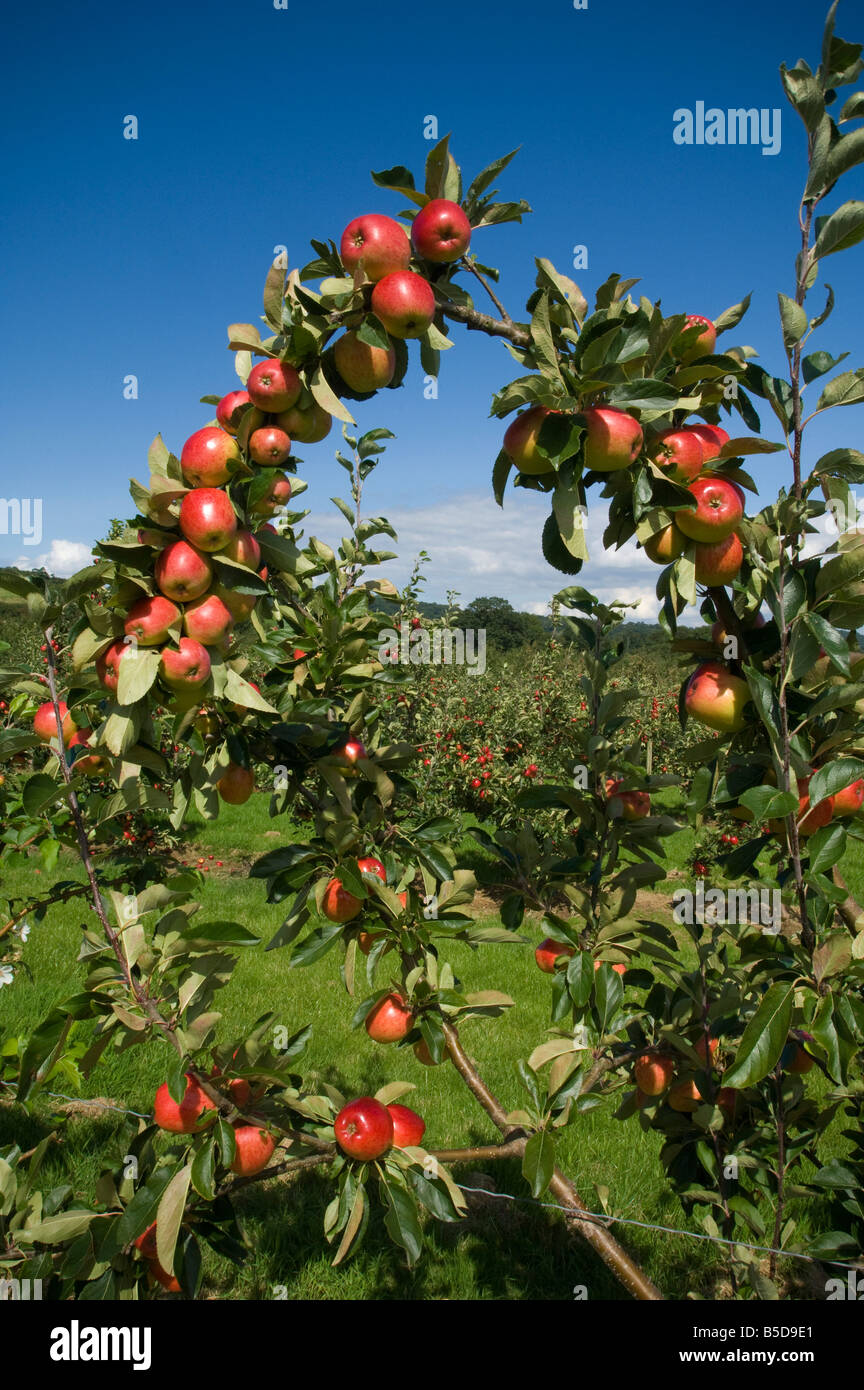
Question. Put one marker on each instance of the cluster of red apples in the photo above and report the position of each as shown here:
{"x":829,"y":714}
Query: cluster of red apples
{"x":655,"y":1075}
{"x":402,"y":300}
{"x":614,"y":440}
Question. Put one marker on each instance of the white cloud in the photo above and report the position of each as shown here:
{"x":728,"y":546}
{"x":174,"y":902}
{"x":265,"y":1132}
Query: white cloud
{"x":478,"y":548}
{"x":64,"y":558}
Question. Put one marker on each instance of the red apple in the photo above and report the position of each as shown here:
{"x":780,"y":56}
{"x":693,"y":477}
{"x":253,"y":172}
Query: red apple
{"x":236,"y":784}
{"x":819,"y":816}
{"x":364,"y":1128}
{"x":379,"y":243}
{"x":361,"y":366}
{"x":240,"y":606}
{"x":90,"y":763}
{"x":848,"y":802}
{"x":150,"y":620}
{"x":404,"y":303}
{"x":146,"y":1243}
{"x":679,"y":452}
{"x":635,"y":805}
{"x":169,"y":1282}
{"x":619,"y":967}
{"x":273,"y":385}
{"x":372,"y":866}
{"x":613,"y":439}
{"x":243,"y":549}
{"x":423,"y":1055}
{"x":228,"y":410}
{"x":408,"y":1127}
{"x":45,"y":723}
{"x":207,"y":620}
{"x":703,"y":343}
{"x":338,"y":905}
{"x":207,"y":455}
{"x":108,"y":664}
{"x":277,"y":495}
{"x":666,"y":545}
{"x":254,"y":1149}
{"x":548,"y":952}
{"x":794,"y":1059}
{"x":717,"y":511}
{"x":207,"y":518}
{"x":186,"y":1117}
{"x":684,"y":1097}
{"x":187,"y":668}
{"x":699,"y":1047}
{"x":716,"y":698}
{"x":305,"y":426}
{"x":269,"y":447}
{"x":653,"y":1072}
{"x":346,"y":757}
{"x":441,"y":232}
{"x":719,"y":563}
{"x":389,"y":1020}
{"x":520,"y":441}
{"x":711,"y":437}
{"x":182,"y":572}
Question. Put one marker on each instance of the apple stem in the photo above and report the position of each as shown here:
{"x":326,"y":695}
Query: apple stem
{"x":469,"y":265}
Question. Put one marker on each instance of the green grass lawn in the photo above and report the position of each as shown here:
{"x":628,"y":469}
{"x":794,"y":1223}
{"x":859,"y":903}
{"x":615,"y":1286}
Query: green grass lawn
{"x":505,"y":1250}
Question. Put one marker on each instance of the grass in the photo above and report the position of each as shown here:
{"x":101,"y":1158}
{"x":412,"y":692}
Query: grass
{"x":505,"y":1250}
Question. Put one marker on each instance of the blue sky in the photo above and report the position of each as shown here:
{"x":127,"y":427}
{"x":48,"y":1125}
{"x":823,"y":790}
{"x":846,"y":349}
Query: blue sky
{"x":258,"y":127}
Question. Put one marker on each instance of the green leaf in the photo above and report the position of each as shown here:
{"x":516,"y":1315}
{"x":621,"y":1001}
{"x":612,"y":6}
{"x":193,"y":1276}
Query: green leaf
{"x":401,"y":1220}
{"x":827,"y":847}
{"x":538,"y":1162}
{"x":580,"y":978}
{"x":437,"y":163}
{"x":487,"y":175}
{"x":541,"y":337}
{"x":327,"y":398}
{"x":39,"y":791}
{"x":844,"y":228}
{"x":845,"y":389}
{"x":793,"y":318}
{"x":62,"y":1227}
{"x":169,"y":1217}
{"x":203,"y":1170}
{"x":138,"y":671}
{"x":400,"y":180}
{"x":764,"y":1038}
{"x":833,"y":778}
{"x":731,"y":317}
{"x":816,"y":364}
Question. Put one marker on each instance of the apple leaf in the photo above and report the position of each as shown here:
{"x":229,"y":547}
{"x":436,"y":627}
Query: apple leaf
{"x":845,"y":389}
{"x":481,"y":182}
{"x":242,"y":693}
{"x":732,"y":316}
{"x":764,"y":1038}
{"x":738,"y":448}
{"x":437,"y":163}
{"x":138,"y":671}
{"x":538,"y":1162}
{"x":793,"y":318}
{"x":400,"y":180}
{"x":401,"y":1220}
{"x":169,"y":1217}
{"x":327,"y":398}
